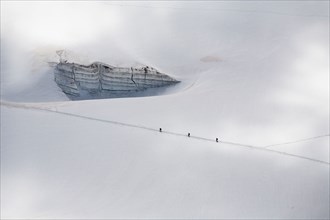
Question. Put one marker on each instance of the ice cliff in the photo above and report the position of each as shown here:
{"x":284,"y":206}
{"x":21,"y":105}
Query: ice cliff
{"x":100,"y":80}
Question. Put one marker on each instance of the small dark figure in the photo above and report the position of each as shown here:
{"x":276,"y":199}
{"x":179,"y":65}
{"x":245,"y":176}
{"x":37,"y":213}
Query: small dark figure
{"x":160,"y":129}
{"x":188,"y":134}
{"x":217,"y":140}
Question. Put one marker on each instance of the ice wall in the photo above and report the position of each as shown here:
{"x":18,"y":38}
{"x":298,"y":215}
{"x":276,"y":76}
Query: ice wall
{"x":100,"y":80}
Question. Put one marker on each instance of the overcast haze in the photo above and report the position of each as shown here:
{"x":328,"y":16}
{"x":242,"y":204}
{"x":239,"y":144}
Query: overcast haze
{"x":252,"y":73}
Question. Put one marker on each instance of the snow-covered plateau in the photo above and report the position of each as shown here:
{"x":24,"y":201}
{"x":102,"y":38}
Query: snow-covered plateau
{"x":253,"y":74}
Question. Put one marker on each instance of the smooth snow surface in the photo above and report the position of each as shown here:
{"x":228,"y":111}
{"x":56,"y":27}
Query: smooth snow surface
{"x":254,"y":74}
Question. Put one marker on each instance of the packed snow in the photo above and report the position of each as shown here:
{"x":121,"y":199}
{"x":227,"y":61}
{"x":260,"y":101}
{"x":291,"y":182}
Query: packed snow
{"x":253,"y":74}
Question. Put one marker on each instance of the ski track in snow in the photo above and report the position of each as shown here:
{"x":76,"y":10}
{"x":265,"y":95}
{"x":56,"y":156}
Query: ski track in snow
{"x":264,"y":148}
{"x":298,"y":141}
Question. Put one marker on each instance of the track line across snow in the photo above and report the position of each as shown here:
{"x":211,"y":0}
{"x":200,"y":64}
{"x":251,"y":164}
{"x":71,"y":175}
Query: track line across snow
{"x":266,"y":149}
{"x":297,"y":141}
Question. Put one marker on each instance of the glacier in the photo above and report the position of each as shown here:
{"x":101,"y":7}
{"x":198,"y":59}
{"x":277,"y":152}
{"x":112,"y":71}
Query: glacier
{"x":254,"y":73}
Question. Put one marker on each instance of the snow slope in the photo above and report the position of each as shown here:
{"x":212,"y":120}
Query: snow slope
{"x":255,"y":74}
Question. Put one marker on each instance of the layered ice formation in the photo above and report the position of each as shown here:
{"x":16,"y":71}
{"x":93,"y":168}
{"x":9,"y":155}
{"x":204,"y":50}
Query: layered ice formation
{"x":100,"y":80}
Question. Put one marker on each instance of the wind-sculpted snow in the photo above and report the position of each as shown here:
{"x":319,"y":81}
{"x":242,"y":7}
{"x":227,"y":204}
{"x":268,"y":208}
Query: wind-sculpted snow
{"x":100,"y":80}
